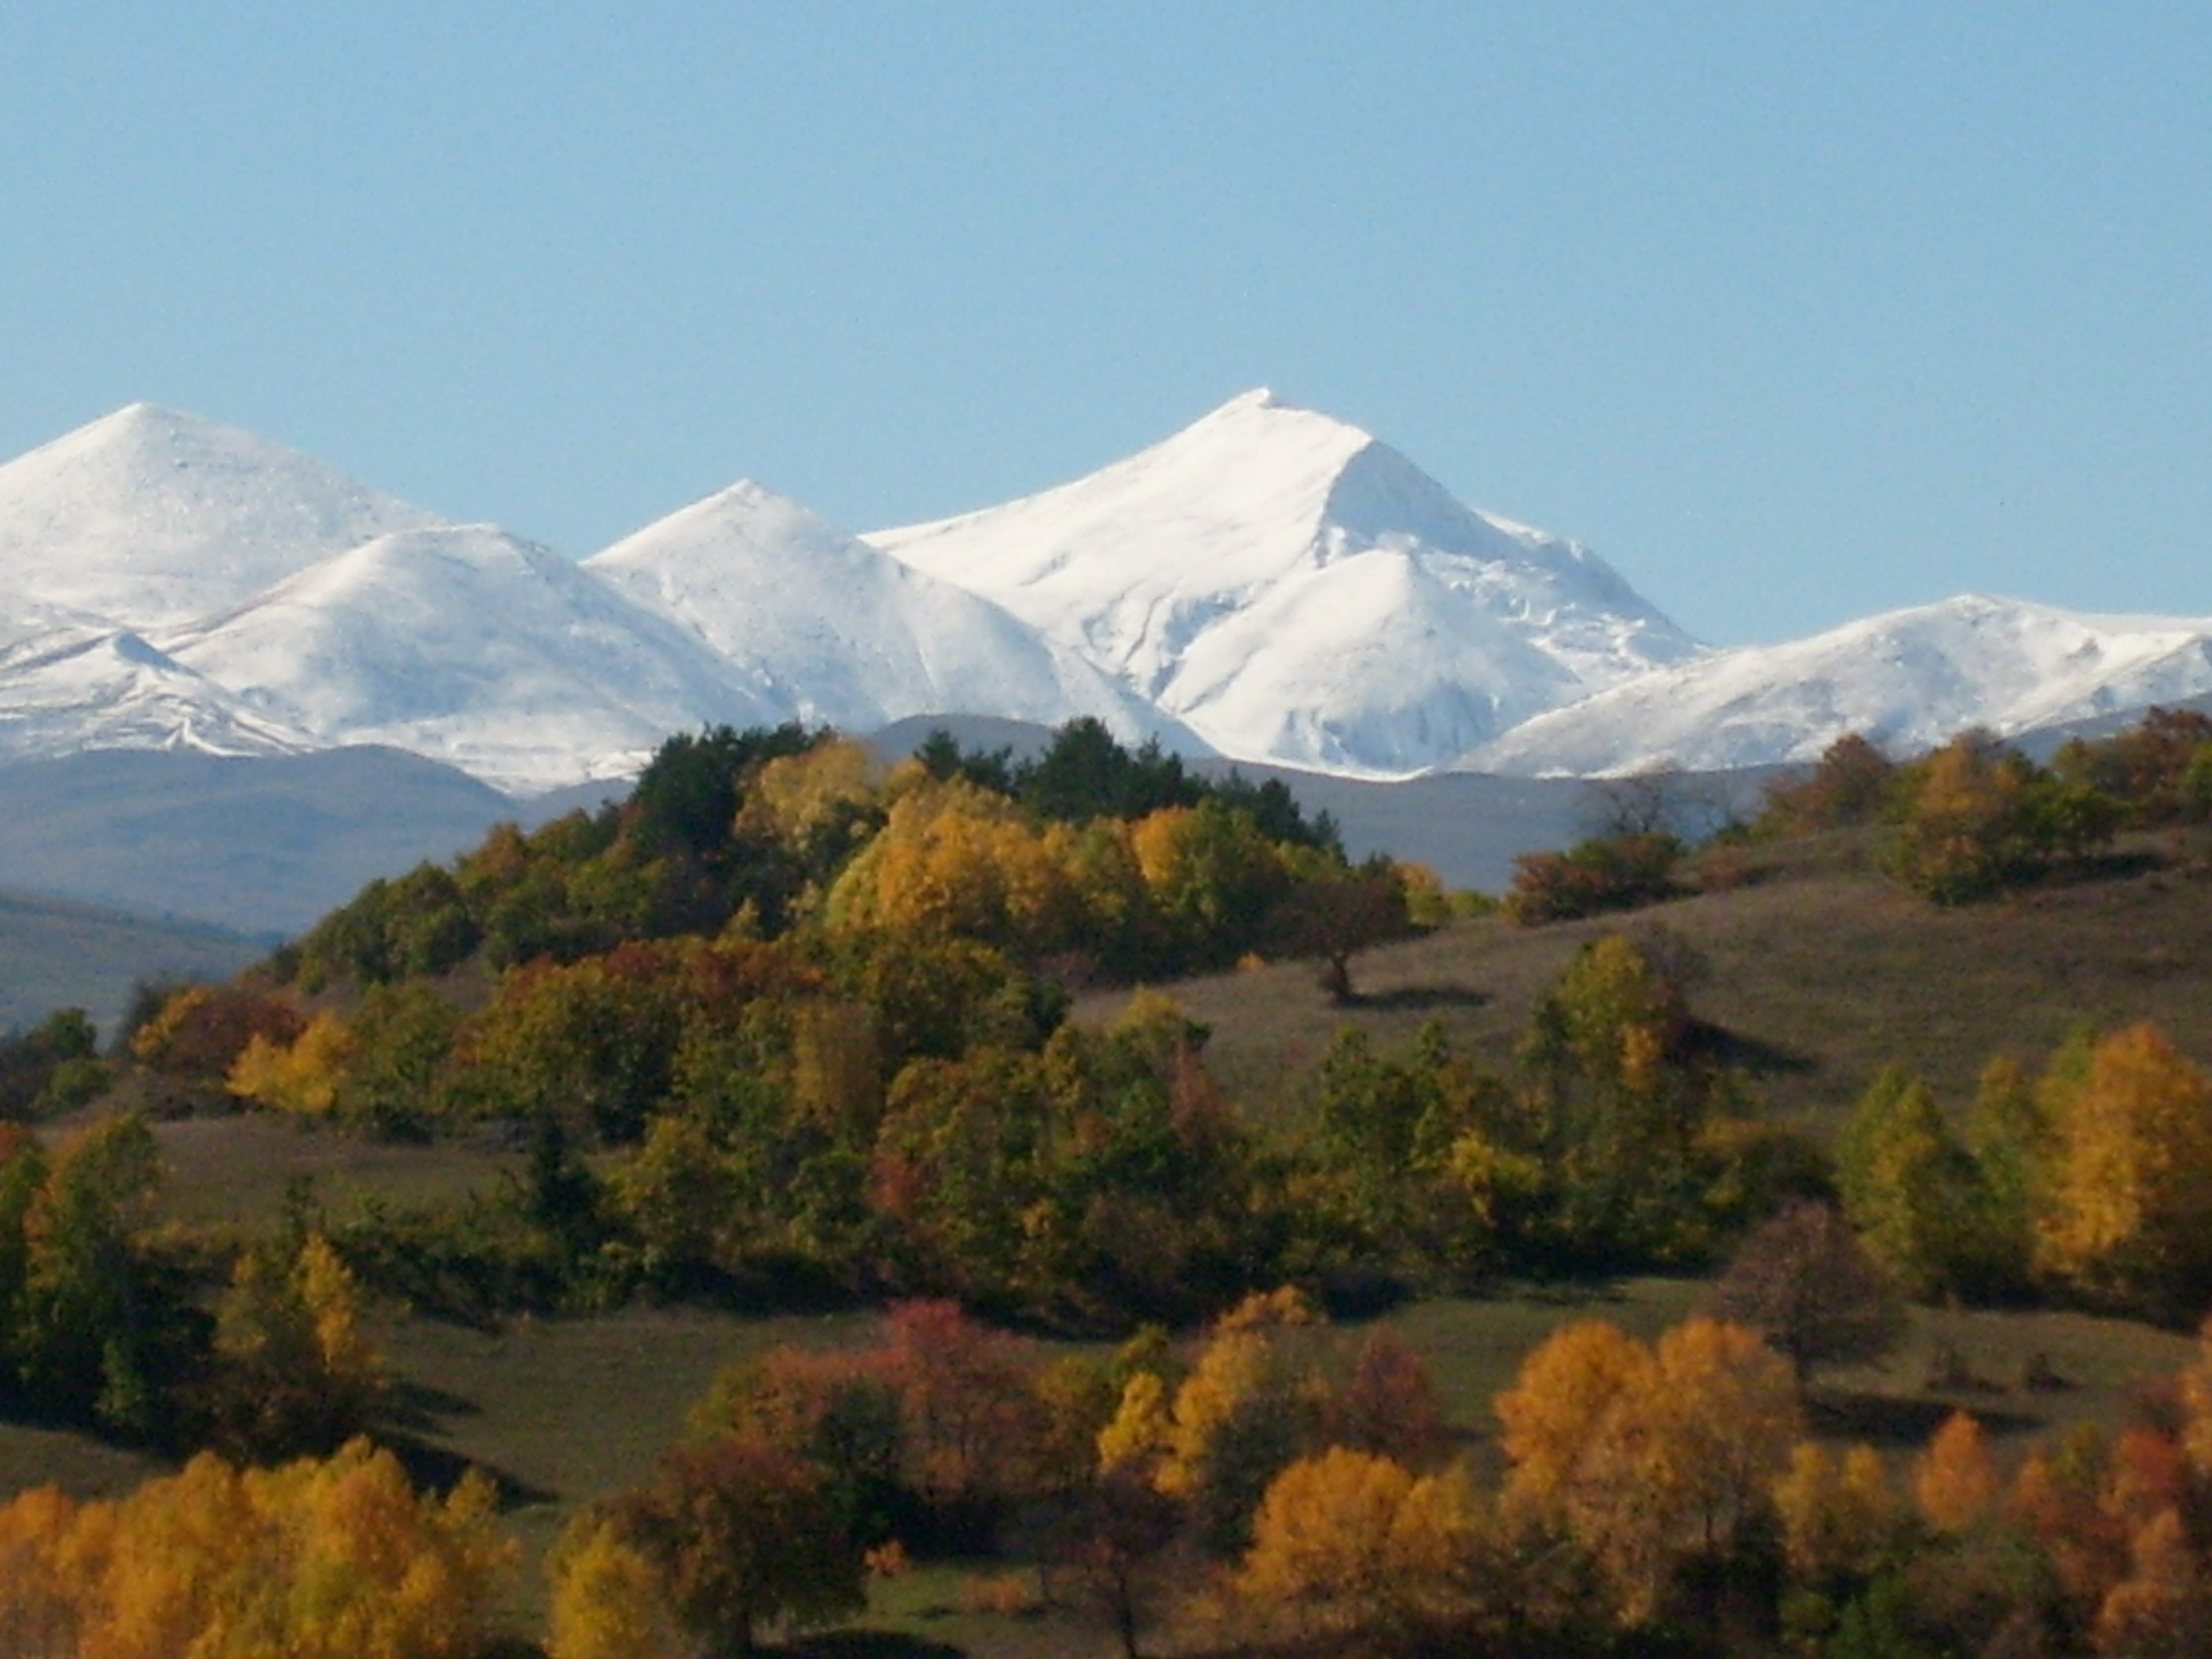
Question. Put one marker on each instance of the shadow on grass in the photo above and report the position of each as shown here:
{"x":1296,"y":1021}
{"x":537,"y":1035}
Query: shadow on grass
{"x":1413,"y":999}
{"x":1886,"y":1419}
{"x":869,"y":1645}
{"x":418,"y":1405}
{"x":439,"y":1468}
{"x":1761,"y":1059}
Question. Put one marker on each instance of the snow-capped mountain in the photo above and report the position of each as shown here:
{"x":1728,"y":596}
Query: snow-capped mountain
{"x":148,"y":517}
{"x":1298,"y":592}
{"x":836,"y":632}
{"x":475,"y":647}
{"x":75,"y":686}
{"x":1908,"y":680}
{"x":1270,"y":583}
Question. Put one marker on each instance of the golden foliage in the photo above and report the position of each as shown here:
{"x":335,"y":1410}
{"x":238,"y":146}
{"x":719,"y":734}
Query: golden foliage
{"x":2163,"y":1610}
{"x":1839,"y":1516}
{"x":608,"y":1601}
{"x":301,"y":1078}
{"x":318,"y":1559}
{"x":1648,"y":1457}
{"x":1348,"y":1540}
{"x":1954,"y":1482}
{"x":2132,"y":1208}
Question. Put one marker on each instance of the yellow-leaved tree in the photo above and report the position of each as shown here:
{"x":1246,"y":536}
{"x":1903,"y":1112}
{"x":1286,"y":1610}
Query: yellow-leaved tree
{"x":1652,"y":1460}
{"x":1349,"y":1541}
{"x":1955,"y":1482}
{"x":2131,"y":1204}
{"x":1840,"y":1516}
{"x":608,"y":1601}
{"x":318,"y":1559}
{"x":300,"y":1078}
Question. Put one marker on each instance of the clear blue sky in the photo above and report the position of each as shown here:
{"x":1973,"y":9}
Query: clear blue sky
{"x":1795,"y":312}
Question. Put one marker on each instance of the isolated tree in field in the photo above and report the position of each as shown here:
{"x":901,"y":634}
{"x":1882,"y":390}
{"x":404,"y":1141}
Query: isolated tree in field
{"x":1907,"y":1184}
{"x":1805,"y":1284}
{"x":295,"y":1373}
{"x":1334,"y":919}
{"x":1389,"y":1406}
{"x":1118,"y":1550}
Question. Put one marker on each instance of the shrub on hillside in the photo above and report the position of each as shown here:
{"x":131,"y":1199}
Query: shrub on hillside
{"x":1605,"y":872}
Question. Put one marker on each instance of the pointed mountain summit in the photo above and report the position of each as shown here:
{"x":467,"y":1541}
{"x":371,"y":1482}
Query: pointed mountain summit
{"x":148,"y":517}
{"x":1908,"y":680}
{"x":475,"y":647}
{"x":837,"y":631}
{"x":1299,"y":593}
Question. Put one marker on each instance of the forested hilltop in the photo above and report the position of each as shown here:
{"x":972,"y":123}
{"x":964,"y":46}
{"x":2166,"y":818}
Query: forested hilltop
{"x":791,"y":1031}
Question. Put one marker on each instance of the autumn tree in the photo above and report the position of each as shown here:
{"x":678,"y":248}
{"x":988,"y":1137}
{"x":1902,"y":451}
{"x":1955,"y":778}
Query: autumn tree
{"x":1840,"y":1519}
{"x":1347,"y":1541}
{"x":101,"y":1332}
{"x":319,"y":1559}
{"x":1651,"y":1459}
{"x":608,"y":1601}
{"x":741,"y":1534}
{"x":1908,"y":1185}
{"x":1335,"y":918}
{"x":295,"y":1373}
{"x":2163,"y":1610}
{"x":1851,"y":785}
{"x":1955,"y":1482}
{"x":1805,"y":1284}
{"x":1389,"y":1406}
{"x":2132,"y":1206}
{"x":299,"y":1077}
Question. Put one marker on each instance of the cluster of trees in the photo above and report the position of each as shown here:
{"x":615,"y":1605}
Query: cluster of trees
{"x":321,"y":1559}
{"x":1273,"y":1484}
{"x":1090,"y":858}
{"x":1971,"y":819}
{"x":2094,"y":1179}
{"x":782,"y":1118}
{"x":51,"y":1069}
{"x":1128,"y":1472}
{"x":101,"y":1326}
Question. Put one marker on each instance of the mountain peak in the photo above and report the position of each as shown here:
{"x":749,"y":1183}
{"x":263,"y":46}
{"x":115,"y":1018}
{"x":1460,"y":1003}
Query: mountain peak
{"x":1297,"y":592}
{"x":150,"y":516}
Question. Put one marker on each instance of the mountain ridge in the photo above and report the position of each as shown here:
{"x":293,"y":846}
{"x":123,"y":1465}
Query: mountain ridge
{"x":1269,"y":584}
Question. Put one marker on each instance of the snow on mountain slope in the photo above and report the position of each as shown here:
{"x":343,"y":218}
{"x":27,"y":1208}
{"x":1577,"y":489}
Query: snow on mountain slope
{"x":838,"y":632}
{"x":148,"y":517}
{"x":74,"y":686}
{"x":1299,"y":593}
{"x":1908,"y":680}
{"x":472,"y":647}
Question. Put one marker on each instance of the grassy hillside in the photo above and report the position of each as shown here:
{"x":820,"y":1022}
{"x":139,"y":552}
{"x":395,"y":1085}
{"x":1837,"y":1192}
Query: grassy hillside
{"x":55,"y":953}
{"x":1815,"y":983}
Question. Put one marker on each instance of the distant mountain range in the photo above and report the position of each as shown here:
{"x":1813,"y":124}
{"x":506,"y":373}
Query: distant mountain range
{"x":1269,"y":586}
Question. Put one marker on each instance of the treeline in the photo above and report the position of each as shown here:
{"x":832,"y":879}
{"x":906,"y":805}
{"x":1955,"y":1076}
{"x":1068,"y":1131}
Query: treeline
{"x":2093,"y":1181}
{"x":1973,"y":818}
{"x":1275,"y":1488}
{"x":106,"y":1324}
{"x":1271,"y":1487}
{"x":771,"y":1122}
{"x":1089,"y":859}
